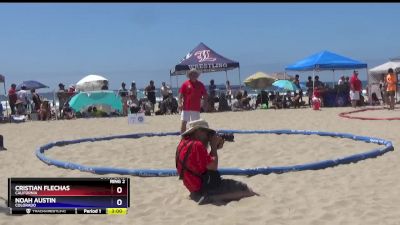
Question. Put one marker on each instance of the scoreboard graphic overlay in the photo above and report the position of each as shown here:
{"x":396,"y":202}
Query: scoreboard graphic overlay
{"x":109,"y":195}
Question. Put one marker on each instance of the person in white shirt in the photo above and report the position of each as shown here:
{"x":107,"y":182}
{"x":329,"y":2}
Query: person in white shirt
{"x":22,"y":100}
{"x":341,"y":80}
{"x":133,"y":90}
{"x":228,"y":92}
{"x":22,"y":95}
{"x":133,"y":104}
{"x":165,"y":91}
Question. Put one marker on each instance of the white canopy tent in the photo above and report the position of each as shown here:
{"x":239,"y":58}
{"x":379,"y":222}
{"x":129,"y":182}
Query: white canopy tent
{"x":91,"y":83}
{"x":377,"y":74}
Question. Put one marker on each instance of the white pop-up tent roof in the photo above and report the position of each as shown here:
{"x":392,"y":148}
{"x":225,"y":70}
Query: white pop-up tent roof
{"x":376,"y":74}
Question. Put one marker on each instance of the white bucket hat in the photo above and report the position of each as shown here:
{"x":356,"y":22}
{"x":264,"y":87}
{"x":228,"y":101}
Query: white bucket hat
{"x":197,"y":124}
{"x":193,"y":71}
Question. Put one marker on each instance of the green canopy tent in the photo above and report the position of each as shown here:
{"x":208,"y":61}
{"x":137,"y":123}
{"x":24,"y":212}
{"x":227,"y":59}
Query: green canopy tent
{"x":83,"y":100}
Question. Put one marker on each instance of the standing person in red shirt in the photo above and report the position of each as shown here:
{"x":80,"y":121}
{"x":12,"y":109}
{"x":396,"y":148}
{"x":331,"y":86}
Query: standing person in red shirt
{"x":12,"y":97}
{"x":199,"y":169}
{"x":190,"y":95}
{"x":355,"y":89}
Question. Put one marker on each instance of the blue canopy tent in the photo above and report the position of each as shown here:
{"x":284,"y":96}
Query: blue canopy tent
{"x":205,"y":60}
{"x":326,"y":60}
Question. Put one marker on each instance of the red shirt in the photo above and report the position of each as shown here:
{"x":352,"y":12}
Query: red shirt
{"x":71,"y":91}
{"x":192,"y":93}
{"x":317,"y":93}
{"x":197,"y":162}
{"x":356,"y":83}
{"x":12,"y":95}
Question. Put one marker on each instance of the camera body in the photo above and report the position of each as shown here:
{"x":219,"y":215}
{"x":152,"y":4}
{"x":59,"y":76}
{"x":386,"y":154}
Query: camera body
{"x":227,"y":136}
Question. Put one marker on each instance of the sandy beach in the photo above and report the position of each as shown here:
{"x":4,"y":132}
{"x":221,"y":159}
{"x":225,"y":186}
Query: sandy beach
{"x":367,"y":192}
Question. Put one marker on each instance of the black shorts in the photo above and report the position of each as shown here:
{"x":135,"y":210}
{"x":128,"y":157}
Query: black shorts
{"x":226,"y":186}
{"x":391,"y":93}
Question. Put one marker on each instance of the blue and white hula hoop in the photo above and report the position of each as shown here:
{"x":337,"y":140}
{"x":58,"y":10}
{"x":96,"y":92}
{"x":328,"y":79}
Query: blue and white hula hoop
{"x":387,"y":146}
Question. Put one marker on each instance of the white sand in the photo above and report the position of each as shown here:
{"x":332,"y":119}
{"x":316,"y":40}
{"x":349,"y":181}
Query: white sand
{"x":367,"y":192}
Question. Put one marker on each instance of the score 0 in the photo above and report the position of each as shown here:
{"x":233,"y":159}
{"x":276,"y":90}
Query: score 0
{"x":119,"y":186}
{"x":120,"y":192}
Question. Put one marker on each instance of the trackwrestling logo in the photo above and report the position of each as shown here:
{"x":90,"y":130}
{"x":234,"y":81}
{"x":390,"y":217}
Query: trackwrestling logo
{"x":204,"y":56}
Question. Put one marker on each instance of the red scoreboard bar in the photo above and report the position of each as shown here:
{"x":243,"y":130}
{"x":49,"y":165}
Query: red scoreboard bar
{"x":108,"y":195}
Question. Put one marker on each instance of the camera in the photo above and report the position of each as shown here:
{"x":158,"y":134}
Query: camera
{"x":227,"y":136}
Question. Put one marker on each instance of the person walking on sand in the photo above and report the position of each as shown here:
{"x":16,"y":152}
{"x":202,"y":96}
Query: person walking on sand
{"x":391,"y":80}
{"x":189,"y":101}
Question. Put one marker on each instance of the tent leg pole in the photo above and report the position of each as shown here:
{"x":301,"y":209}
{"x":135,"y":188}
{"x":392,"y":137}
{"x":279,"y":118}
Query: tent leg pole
{"x":54,"y":103}
{"x":313,"y":74}
{"x":334,"y":78}
{"x":226,"y":75}
{"x":5,"y":94}
{"x":177,"y":86}
{"x":170,"y":82}
{"x":240,"y":81}
{"x":368,"y":88}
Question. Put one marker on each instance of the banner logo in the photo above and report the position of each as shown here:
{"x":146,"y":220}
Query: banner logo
{"x":136,"y":118}
{"x":28,"y":211}
{"x":204,"y":56}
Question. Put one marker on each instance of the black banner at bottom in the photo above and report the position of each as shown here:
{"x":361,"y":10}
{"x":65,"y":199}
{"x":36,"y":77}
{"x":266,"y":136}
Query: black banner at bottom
{"x":58,"y":211}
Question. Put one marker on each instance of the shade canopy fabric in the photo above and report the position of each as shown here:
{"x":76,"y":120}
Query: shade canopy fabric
{"x":91,"y":83}
{"x":326,"y":60}
{"x":377,"y":73}
{"x":205,"y":60}
{"x":83,"y":100}
{"x":259,"y":80}
{"x":383,"y":69}
{"x":31,"y":84}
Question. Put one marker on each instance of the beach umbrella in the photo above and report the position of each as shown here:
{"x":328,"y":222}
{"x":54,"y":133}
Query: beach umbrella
{"x":91,"y":83}
{"x":282,"y":76}
{"x":286,"y":85}
{"x":31,"y":84}
{"x":259,"y":80}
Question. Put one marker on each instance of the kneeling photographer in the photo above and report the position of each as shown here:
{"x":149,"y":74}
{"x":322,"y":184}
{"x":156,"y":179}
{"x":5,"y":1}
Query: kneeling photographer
{"x":199,"y":169}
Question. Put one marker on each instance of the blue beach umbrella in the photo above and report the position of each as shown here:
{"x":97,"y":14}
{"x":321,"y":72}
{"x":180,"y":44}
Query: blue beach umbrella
{"x":31,"y":84}
{"x":286,"y":85}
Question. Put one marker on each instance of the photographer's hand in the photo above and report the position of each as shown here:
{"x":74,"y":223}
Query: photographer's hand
{"x":216,"y":142}
{"x":221,"y":143}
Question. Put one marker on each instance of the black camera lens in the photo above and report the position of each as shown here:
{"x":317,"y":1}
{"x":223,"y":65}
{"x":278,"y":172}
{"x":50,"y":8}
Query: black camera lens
{"x":227,"y":136}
